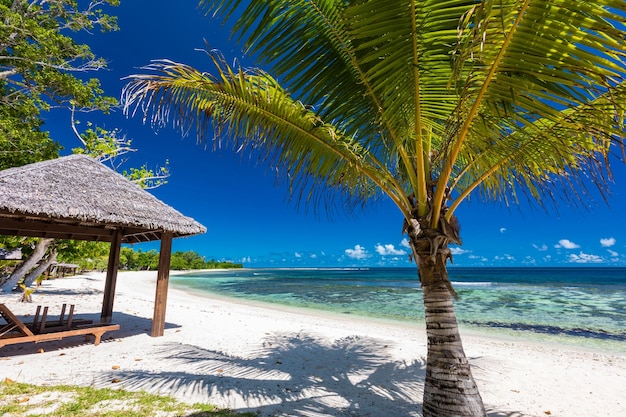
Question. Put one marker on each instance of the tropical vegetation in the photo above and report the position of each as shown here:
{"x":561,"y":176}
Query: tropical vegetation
{"x":43,"y":69}
{"x":94,"y":256}
{"x":131,"y":259}
{"x":426,"y":103}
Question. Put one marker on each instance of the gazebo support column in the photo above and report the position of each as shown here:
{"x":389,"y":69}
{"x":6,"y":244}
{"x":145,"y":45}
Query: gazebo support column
{"x":163,"y":277}
{"x":109,"y":287}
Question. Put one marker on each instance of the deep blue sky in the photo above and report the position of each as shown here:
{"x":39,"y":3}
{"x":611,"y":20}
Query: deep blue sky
{"x":248,"y":217}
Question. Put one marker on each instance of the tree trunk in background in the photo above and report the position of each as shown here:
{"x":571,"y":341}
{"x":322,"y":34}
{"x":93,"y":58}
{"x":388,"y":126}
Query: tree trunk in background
{"x":40,"y":250}
{"x":34,"y":274}
{"x":449,"y":389}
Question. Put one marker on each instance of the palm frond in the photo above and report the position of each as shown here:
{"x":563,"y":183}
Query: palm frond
{"x":295,"y":39}
{"x":537,"y":157}
{"x":532,"y":64}
{"x":249,"y":110}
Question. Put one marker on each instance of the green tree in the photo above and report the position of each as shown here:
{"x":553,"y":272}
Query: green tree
{"x":21,"y":139}
{"x":422,"y":102}
{"x":128,"y":258}
{"x":148,"y":260}
{"x":42,"y":67}
{"x":87,"y":255}
{"x":178,"y":262}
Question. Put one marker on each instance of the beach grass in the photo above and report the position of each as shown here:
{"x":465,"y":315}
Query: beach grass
{"x":19,"y":399}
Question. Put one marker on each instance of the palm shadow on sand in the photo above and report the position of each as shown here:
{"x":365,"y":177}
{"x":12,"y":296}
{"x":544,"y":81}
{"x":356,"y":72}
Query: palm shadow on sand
{"x":292,"y":375}
{"x":296,"y":374}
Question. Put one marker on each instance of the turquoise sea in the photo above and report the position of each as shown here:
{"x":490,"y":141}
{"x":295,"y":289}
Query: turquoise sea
{"x":578,"y":306}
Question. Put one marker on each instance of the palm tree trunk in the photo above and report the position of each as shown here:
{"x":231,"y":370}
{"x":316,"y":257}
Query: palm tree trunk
{"x":450,"y":389}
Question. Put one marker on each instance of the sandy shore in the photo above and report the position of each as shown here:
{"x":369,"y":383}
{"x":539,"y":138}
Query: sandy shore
{"x":290,"y":363}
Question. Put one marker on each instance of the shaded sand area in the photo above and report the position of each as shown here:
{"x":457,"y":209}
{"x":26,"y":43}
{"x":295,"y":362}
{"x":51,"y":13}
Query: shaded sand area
{"x":281,"y":362}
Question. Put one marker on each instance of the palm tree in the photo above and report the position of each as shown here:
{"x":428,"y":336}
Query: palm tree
{"x":424,"y":102}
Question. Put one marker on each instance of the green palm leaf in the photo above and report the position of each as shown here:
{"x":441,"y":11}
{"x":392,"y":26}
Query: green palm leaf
{"x":560,"y":57}
{"x":250,"y":110}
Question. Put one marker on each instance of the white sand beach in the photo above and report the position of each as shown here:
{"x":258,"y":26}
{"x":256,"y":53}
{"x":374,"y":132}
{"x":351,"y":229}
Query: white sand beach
{"x":281,"y":362}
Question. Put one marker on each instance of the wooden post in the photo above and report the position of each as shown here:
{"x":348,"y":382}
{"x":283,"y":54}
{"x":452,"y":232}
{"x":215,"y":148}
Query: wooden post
{"x":163,"y":276}
{"x":109,"y":287}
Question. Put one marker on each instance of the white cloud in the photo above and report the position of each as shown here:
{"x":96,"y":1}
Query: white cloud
{"x":608,"y":242}
{"x":567,"y":244}
{"x":298,"y":255}
{"x":245,"y":259}
{"x":458,"y":251}
{"x":502,"y":229}
{"x":613,"y":253}
{"x":585,"y":258}
{"x":505,"y":257}
{"x":529,"y":260}
{"x":313,"y":256}
{"x":389,"y":249}
{"x":541,"y":248}
{"x":358,"y":252}
{"x":405,"y":243}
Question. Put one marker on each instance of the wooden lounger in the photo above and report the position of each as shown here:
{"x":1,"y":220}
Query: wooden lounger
{"x":41,"y":324}
{"x":15,"y":331}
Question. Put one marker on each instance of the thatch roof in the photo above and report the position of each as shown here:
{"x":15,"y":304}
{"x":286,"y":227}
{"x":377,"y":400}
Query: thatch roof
{"x":76,"y":197}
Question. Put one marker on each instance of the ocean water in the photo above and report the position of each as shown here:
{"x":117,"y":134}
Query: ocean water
{"x":578,"y":306}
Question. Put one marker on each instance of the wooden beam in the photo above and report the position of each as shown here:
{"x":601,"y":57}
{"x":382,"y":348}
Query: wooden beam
{"x":20,"y":226}
{"x":163,"y":276}
{"x":109,"y":286}
{"x":28,"y":227}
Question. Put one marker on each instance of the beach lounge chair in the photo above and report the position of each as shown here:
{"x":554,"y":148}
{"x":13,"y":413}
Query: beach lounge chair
{"x":16,"y":331}
{"x":41,"y":324}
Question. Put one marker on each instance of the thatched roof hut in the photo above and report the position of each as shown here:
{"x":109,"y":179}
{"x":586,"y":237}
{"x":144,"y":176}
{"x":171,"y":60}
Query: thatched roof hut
{"x":76,"y":197}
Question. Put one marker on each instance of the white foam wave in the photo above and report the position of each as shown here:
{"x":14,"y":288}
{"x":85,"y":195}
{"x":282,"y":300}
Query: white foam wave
{"x":471,"y":284}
